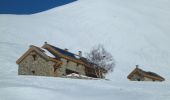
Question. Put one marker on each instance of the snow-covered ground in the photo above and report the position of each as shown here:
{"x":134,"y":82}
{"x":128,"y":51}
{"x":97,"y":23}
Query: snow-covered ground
{"x":134,"y":31}
{"x":46,"y":88}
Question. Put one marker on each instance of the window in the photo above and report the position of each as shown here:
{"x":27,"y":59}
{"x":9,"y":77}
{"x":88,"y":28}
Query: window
{"x":34,"y":57}
{"x":77,"y":64}
{"x":33,"y":72}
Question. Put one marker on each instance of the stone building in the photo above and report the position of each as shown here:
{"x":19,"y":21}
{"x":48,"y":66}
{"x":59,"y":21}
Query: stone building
{"x":140,"y":75}
{"x":53,"y":61}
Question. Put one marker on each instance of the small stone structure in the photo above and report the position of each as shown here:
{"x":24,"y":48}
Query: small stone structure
{"x":140,"y":75}
{"x":52,"y":61}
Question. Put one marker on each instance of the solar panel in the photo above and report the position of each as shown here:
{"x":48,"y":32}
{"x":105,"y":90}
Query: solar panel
{"x":66,"y":53}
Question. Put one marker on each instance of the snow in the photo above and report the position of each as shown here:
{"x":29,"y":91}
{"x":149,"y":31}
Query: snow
{"x":79,"y":76}
{"x":45,"y":88}
{"x":134,"y":31}
{"x":48,"y":53}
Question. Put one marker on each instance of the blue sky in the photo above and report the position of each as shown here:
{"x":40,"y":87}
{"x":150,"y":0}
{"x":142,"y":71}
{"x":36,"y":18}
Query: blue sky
{"x":29,"y":6}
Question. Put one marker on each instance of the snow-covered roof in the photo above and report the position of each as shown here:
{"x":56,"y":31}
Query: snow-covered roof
{"x":48,"y":53}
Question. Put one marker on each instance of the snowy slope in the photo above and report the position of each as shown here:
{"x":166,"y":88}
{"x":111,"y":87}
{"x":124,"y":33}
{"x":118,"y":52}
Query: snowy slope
{"x":43,"y":88}
{"x":134,"y":31}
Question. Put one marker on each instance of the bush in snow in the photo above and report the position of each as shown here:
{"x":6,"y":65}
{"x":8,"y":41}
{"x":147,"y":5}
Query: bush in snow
{"x":101,"y":57}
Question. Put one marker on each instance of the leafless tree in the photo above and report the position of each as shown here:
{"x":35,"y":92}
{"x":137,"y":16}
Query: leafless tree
{"x":101,"y":57}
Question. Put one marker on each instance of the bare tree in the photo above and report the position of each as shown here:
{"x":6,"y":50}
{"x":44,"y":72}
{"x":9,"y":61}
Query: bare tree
{"x":101,"y":57}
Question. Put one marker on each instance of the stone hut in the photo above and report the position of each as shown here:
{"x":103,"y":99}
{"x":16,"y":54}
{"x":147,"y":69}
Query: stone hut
{"x":53,"y":61}
{"x":140,"y":75}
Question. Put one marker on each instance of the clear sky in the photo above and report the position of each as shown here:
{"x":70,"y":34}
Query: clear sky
{"x":29,"y":6}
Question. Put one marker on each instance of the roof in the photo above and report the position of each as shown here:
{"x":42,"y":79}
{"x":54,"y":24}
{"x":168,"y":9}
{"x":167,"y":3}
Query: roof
{"x":57,"y":52}
{"x":153,"y":74}
{"x":48,"y":53}
{"x":41,"y":52}
{"x":64,"y":52}
{"x":148,"y":74}
{"x":85,"y":60}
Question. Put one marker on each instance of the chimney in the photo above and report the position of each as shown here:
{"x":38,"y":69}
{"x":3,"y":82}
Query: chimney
{"x":80,"y":53}
{"x":137,"y":66}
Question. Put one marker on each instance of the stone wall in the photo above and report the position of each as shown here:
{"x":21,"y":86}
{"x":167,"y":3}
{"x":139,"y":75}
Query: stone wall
{"x":148,"y":79}
{"x":137,"y":77}
{"x":34,"y":64}
{"x":71,"y":66}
